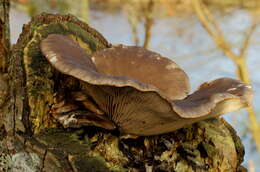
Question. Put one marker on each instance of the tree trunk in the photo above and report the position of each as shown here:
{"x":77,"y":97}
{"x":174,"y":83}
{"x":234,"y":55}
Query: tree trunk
{"x":32,"y":140}
{"x":4,"y":53}
{"x":5,"y":34}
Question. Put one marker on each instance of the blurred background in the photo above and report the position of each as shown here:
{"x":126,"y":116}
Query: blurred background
{"x":207,"y":38}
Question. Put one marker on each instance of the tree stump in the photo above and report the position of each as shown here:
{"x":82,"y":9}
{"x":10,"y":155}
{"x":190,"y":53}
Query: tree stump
{"x":32,"y":140}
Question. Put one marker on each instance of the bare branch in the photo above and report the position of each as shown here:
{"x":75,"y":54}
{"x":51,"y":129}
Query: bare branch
{"x":246,"y":42}
{"x":133,"y":17}
{"x":211,"y":19}
{"x":209,"y":23}
{"x":148,"y":22}
{"x":202,"y":17}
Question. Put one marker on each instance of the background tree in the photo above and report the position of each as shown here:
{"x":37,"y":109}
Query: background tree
{"x":213,"y":29}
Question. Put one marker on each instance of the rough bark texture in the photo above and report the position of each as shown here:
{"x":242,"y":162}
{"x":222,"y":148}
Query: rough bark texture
{"x":4,"y":34}
{"x":33,"y":141}
{"x":4,"y":53}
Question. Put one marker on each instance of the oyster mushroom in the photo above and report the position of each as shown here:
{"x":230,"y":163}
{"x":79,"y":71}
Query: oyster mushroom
{"x":141,"y":92}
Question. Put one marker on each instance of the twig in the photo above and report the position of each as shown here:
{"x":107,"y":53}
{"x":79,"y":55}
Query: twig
{"x":148,"y":23}
{"x":133,"y":20}
{"x":246,"y":43}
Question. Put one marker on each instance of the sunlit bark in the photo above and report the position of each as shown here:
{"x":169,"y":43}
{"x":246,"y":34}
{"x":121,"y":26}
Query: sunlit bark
{"x":4,"y":34}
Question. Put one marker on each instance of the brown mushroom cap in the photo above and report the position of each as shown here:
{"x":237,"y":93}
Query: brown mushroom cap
{"x":136,"y":103}
{"x":118,"y":66}
{"x":136,"y":63}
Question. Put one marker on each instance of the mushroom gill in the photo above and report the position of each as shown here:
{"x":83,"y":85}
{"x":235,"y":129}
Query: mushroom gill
{"x":140,"y":91}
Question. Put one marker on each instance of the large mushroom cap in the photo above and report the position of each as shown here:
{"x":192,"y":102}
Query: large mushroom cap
{"x":147,"y":67}
{"x":141,"y":91}
{"x":119,"y":66}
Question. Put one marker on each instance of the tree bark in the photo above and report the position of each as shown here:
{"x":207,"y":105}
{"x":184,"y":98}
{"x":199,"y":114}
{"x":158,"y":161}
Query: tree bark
{"x":4,"y":34}
{"x":4,"y":53}
{"x":32,"y":140}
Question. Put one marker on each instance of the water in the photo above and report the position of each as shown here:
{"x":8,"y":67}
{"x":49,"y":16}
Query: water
{"x":185,"y":41}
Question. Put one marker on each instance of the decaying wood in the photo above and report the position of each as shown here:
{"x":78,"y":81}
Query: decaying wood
{"x":41,"y":81}
{"x":39,"y":143}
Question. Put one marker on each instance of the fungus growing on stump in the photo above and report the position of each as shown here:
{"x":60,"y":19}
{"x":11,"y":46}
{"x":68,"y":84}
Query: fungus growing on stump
{"x":139,"y":91}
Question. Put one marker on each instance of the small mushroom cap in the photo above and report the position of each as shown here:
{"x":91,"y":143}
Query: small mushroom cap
{"x":118,"y":66}
{"x":209,"y":96}
{"x":143,"y":102}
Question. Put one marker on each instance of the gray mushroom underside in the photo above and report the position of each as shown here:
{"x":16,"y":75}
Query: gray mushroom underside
{"x":138,"y":108}
{"x":146,"y":113}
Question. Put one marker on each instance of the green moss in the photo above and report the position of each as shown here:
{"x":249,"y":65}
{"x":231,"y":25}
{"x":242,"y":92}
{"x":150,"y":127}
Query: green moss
{"x":67,"y":144}
{"x":63,"y":140}
{"x":108,"y":150}
{"x":40,"y":75}
{"x":85,"y":163}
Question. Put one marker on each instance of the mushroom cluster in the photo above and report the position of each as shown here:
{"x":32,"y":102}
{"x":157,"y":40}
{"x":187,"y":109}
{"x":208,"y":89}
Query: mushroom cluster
{"x":138,"y":91}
